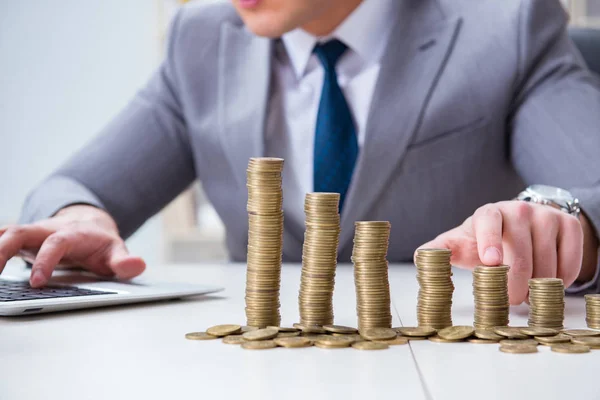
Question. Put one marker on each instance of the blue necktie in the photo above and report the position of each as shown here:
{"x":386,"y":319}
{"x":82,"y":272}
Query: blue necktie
{"x":336,"y":145}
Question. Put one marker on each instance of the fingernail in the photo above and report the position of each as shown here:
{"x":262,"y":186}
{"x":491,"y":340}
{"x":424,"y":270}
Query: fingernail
{"x":492,"y":256}
{"x":38,"y":279}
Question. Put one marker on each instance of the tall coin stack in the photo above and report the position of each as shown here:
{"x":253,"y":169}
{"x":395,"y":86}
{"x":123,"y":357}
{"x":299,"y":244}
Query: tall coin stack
{"x":546,"y":303}
{"x":434,"y":274}
{"x":319,"y":258}
{"x":592,"y":310}
{"x":373,"y":303}
{"x":490,"y":289}
{"x":265,"y":241}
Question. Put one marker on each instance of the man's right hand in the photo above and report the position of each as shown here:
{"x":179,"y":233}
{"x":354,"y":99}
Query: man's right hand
{"x":77,"y":235}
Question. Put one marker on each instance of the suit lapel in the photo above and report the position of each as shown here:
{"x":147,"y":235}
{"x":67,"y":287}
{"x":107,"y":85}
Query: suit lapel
{"x":244,"y":77}
{"x":420,"y":45}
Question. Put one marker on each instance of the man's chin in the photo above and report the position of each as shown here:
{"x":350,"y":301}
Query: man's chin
{"x":266,"y":28}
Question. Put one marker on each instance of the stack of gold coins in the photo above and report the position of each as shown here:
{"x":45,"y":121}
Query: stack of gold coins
{"x":371,"y":241}
{"x":434,"y":274}
{"x":265,"y":241}
{"x":490,"y":289}
{"x":547,"y":303}
{"x":592,"y":310}
{"x":319,"y":258}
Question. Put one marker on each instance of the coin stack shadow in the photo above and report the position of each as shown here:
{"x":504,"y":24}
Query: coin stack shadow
{"x":265,"y":241}
{"x":490,"y":290}
{"x":546,"y":303}
{"x":319,"y":258}
{"x":373,"y":305}
{"x":592,"y":310}
{"x":434,"y":274}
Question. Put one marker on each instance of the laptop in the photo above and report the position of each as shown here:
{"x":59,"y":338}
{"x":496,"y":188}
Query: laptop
{"x":68,"y":290}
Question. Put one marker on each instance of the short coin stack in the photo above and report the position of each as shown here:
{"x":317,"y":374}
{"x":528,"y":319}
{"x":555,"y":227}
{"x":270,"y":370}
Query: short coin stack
{"x":319,"y":258}
{"x":490,"y":290}
{"x":592,"y":310}
{"x":434,"y":274}
{"x":371,"y":239}
{"x":265,"y":241}
{"x":547,"y":303}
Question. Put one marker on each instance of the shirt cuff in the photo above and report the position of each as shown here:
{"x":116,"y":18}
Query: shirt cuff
{"x":53,"y":195}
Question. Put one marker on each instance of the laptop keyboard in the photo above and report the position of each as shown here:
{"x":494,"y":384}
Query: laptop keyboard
{"x":15,"y":291}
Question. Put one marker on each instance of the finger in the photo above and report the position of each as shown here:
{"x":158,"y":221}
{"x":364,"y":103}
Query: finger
{"x":487,"y":226}
{"x":518,"y":252}
{"x":570,"y":250}
{"x":18,"y":237}
{"x":124,"y":265}
{"x":544,"y":235}
{"x":54,"y":248}
{"x":462,"y":244}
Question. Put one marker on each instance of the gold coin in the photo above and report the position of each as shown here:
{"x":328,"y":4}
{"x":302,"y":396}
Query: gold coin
{"x":310,"y":328}
{"x":224,"y":330}
{"x":519,"y":349}
{"x":398,"y":340}
{"x":259,"y":345}
{"x":283,"y":329}
{"x":379,"y":333}
{"x":510,"y":332}
{"x":593,"y":342}
{"x":439,"y":339}
{"x":550,"y":340}
{"x":330,"y":346}
{"x":249,"y":328}
{"x":518,"y":342}
{"x":293,"y":342}
{"x":421,"y":331}
{"x":539,"y":331}
{"x":233,"y":339}
{"x":337,"y":341}
{"x":581,"y":332}
{"x":261,"y":334}
{"x":488,"y":334}
{"x":570,"y":348}
{"x":481,"y":341}
{"x":288,"y":334}
{"x":339,"y":329}
{"x":369,"y":346}
{"x":456,"y":332}
{"x":200,"y":336}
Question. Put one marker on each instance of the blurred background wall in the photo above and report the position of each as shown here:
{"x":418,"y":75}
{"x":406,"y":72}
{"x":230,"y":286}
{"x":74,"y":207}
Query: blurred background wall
{"x":66,"y":68}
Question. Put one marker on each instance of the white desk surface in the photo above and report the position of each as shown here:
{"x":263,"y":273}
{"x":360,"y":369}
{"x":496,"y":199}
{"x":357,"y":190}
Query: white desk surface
{"x":139,"y":351}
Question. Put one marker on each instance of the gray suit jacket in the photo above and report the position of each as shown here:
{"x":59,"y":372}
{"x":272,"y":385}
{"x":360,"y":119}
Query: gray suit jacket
{"x":475,"y":99}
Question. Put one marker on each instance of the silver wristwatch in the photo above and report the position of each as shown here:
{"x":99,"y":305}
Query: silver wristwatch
{"x":551,"y":196}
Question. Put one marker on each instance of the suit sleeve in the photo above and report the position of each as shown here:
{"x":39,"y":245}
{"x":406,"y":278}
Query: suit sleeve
{"x":555,"y":120}
{"x":137,"y":165}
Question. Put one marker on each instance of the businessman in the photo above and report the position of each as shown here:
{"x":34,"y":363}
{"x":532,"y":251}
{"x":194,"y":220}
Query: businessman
{"x":432,"y":114}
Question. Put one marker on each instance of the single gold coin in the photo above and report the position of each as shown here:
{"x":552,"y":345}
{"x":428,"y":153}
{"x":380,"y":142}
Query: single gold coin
{"x":488,"y":334}
{"x":288,"y":334}
{"x":581,"y":332}
{"x":539,"y":331}
{"x":439,"y":339}
{"x":379,"y":333}
{"x":233,"y":339}
{"x":249,"y":328}
{"x":224,"y":330}
{"x":519,"y":349}
{"x":369,"y":346}
{"x":310,"y":328}
{"x":261,"y":334}
{"x":329,"y":346}
{"x":456,"y":332}
{"x":200,"y":336}
{"x":259,"y":345}
{"x":481,"y":341}
{"x":282,"y":329}
{"x":338,"y":341}
{"x":398,"y":340}
{"x":420,"y":331}
{"x":415,"y":338}
{"x":593,"y":342}
{"x":510,"y":332}
{"x":518,"y":342}
{"x":339,"y":329}
{"x":550,"y":340}
{"x":570,"y":348}
{"x":293,"y":342}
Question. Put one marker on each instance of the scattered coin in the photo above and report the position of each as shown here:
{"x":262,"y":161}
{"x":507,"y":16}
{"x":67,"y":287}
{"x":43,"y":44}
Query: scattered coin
{"x":510,"y":332}
{"x":340,"y":329}
{"x":421,"y":331}
{"x":322,"y":345}
{"x":416,"y":338}
{"x":310,"y":328}
{"x":334,"y":341}
{"x":580,"y":332}
{"x":570,"y":348}
{"x":519,"y":349}
{"x":379,"y":333}
{"x":249,"y":328}
{"x":293,"y":342}
{"x":456,"y":332}
{"x":288,"y":334}
{"x":370,"y":346}
{"x":398,"y":340}
{"x":539,"y":331}
{"x":488,"y":334}
{"x":224,"y":330}
{"x":593,"y":342}
{"x":439,"y":339}
{"x":550,"y":340}
{"x":233,"y":339}
{"x":259,"y":345}
{"x":481,"y":341}
{"x":434,"y":275}
{"x":282,"y":329}
{"x":261,"y":334}
{"x":199,"y":336}
{"x":518,"y":342}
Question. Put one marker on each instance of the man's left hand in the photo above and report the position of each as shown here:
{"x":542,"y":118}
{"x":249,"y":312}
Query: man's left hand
{"x":536,"y":241}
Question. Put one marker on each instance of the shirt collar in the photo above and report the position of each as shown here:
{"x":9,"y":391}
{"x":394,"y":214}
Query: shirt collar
{"x":366,"y":31}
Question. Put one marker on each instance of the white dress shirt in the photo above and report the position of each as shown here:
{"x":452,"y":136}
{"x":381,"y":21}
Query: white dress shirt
{"x":296,"y":87}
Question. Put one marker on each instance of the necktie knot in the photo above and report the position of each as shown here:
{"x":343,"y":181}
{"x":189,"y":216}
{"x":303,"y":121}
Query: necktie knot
{"x":329,"y":53}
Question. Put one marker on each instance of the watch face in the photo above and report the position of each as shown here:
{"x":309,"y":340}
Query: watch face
{"x":554,"y":193}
